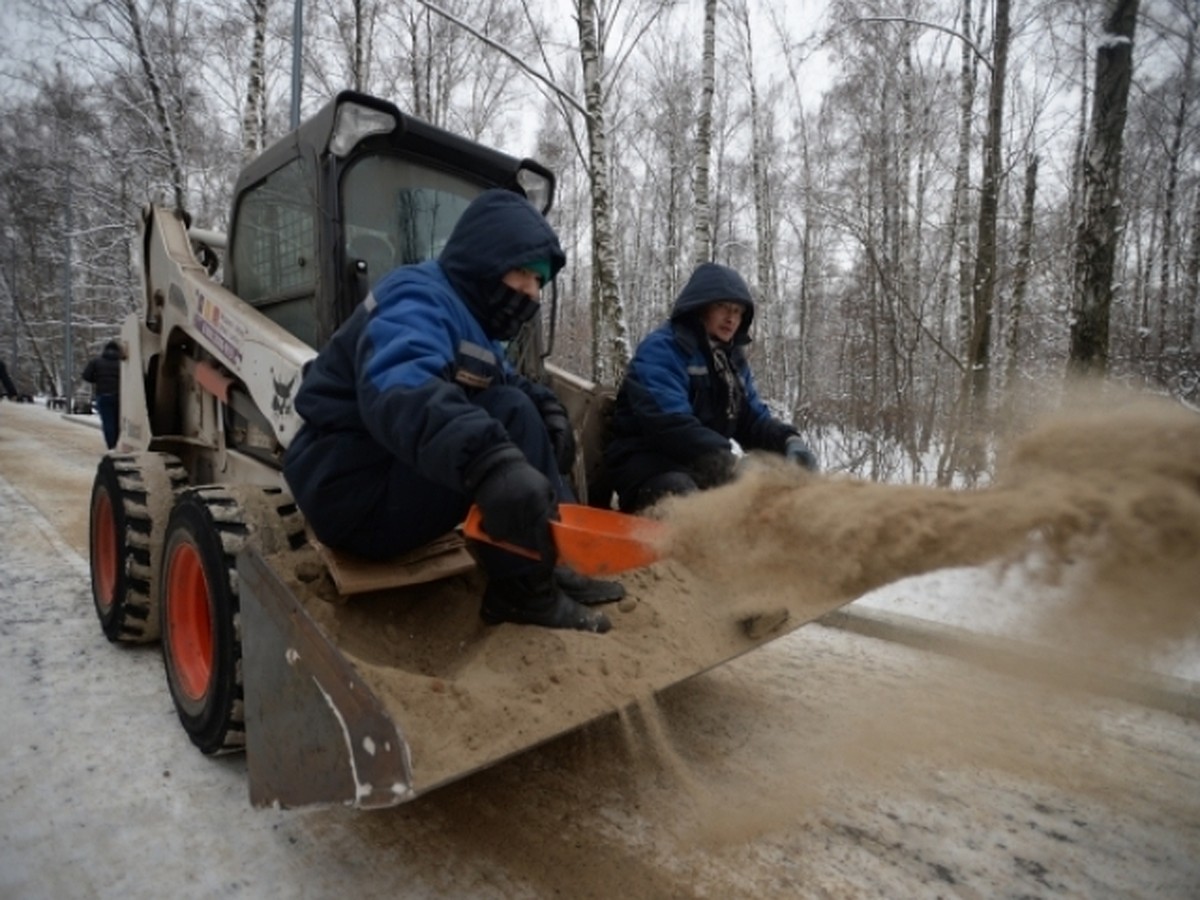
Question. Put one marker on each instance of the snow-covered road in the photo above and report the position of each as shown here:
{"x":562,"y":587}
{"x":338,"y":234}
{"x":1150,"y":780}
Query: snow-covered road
{"x":824,"y":765}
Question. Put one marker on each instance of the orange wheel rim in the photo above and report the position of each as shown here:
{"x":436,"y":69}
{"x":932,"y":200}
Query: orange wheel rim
{"x":189,"y":621}
{"x":104,"y":549}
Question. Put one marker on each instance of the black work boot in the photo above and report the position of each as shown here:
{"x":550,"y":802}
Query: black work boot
{"x":585,"y":590}
{"x":537,"y":600}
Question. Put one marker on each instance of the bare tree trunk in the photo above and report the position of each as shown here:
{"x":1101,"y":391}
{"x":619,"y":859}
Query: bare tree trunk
{"x":1096,"y":244}
{"x":702,"y":242}
{"x":807,"y":278}
{"x":795,"y":361}
{"x":1140,"y":290}
{"x":358,"y":76}
{"x":1016,"y":310}
{"x":1170,"y":201}
{"x":764,"y":227}
{"x":1191,"y":293}
{"x":983,"y":288}
{"x":960,"y":233}
{"x":159,"y":98}
{"x":966,"y":449}
{"x":761,"y":131}
{"x":610,"y":344}
{"x":908,"y":313}
{"x":960,"y":215}
{"x":420,"y":64}
{"x":34,"y":343}
{"x":254,"y":118}
{"x":1076,"y":194}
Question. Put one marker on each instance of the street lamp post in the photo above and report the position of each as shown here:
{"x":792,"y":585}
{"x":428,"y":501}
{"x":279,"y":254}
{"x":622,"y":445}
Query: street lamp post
{"x":68,"y":350}
{"x":297,"y":59}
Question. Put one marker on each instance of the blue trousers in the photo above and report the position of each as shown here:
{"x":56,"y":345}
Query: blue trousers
{"x":107,"y":407}
{"x":390,"y":508}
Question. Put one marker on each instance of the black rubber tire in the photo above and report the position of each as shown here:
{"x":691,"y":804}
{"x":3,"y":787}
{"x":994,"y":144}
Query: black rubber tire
{"x":201,"y":626}
{"x":125,"y":533}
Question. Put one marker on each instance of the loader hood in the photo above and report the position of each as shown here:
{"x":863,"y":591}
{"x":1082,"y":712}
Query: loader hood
{"x":498,"y":232}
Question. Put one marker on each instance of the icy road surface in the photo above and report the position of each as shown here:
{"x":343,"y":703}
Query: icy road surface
{"x":824,"y":765}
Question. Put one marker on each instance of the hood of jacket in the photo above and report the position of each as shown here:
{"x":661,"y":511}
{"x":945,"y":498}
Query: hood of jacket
{"x":112,"y":350}
{"x":710,"y":283}
{"x":499,"y":231}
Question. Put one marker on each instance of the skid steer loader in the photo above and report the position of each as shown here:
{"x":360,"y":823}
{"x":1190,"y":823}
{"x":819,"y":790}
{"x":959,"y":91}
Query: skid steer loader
{"x":349,"y":682}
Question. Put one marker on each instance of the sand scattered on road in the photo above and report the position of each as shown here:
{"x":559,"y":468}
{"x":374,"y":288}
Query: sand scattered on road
{"x":1101,"y":505}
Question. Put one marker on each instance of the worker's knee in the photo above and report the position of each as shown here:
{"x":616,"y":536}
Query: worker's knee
{"x":522,"y":420}
{"x":513,"y":408}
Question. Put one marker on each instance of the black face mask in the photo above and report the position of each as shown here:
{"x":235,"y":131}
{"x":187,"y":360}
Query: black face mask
{"x":505,"y":311}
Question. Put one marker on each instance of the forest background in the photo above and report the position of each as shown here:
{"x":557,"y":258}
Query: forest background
{"x":947,"y":208}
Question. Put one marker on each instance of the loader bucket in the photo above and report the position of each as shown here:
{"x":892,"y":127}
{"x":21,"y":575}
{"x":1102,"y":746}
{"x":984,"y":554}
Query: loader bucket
{"x":376,"y":700}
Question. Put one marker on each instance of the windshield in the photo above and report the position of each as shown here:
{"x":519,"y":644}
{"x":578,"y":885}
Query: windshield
{"x":397,"y":212}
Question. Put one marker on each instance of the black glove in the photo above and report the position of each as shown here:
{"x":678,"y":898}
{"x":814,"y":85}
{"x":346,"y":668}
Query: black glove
{"x":518,"y":502}
{"x":798,"y":452}
{"x":714,"y":469}
{"x":562,"y":439}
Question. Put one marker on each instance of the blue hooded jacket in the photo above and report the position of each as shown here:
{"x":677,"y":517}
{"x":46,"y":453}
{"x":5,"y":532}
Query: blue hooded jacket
{"x":673,"y":408}
{"x":394,"y":383}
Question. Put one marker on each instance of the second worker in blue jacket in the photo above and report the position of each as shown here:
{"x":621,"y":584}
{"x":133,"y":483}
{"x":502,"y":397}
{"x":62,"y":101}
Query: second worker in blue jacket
{"x":412,"y":412}
{"x":687,"y":391}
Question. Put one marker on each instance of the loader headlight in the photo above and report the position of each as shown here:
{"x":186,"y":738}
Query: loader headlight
{"x":537,"y":183}
{"x":355,"y":122}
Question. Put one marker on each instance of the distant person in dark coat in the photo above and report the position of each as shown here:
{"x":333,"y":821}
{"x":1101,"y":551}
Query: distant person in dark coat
{"x":412,"y":412}
{"x":104,"y":374}
{"x":10,"y":389}
{"x":687,"y":392}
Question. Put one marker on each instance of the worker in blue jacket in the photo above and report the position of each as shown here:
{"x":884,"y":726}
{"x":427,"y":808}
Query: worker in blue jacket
{"x":687,"y":392}
{"x":412,"y":412}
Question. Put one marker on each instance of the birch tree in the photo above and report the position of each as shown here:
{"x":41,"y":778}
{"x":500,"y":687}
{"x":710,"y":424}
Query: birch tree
{"x":702,"y":238}
{"x":1191,"y":301}
{"x":163,"y":104}
{"x":1181,"y":115}
{"x":663,"y":234}
{"x":867,"y":224}
{"x":117,"y":38}
{"x":772,"y":334}
{"x":966,"y":449}
{"x":458,"y":82}
{"x":254,"y":111}
{"x":764,"y":228}
{"x":610,"y":345}
{"x":983,"y":287}
{"x":803,"y":216}
{"x":961,"y":206}
{"x":1016,"y":310}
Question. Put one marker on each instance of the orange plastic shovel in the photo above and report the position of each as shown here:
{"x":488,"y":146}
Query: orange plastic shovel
{"x":591,"y":541}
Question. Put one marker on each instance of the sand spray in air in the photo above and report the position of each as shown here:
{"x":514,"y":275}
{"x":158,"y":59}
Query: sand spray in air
{"x":721,"y":812}
{"x":1108,"y":496}
{"x":1101,"y":502}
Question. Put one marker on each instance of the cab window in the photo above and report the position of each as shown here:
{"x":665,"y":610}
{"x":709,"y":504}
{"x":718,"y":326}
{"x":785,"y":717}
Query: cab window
{"x":397,"y":212}
{"x":273,"y":250}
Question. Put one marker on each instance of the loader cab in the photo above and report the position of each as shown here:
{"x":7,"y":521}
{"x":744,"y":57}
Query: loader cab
{"x":355,"y":191}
